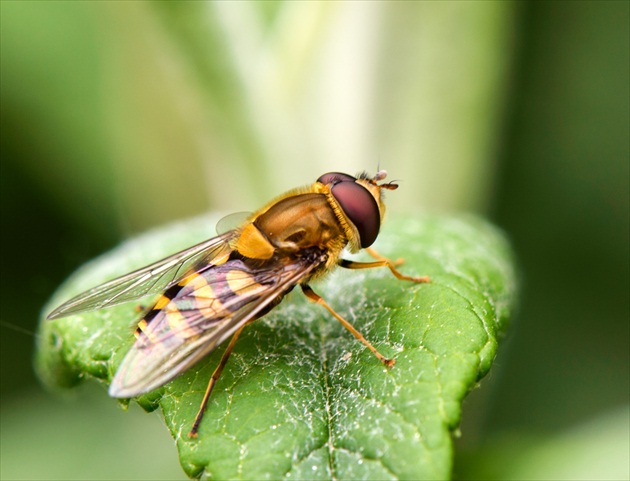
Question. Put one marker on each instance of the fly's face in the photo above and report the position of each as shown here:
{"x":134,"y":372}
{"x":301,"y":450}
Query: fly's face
{"x":209,"y":292}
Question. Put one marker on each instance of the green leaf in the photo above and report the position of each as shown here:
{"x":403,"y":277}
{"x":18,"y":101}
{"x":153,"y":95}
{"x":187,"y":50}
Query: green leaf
{"x":300,"y":398}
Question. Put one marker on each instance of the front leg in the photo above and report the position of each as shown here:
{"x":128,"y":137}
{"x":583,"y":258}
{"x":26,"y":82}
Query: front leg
{"x":382,"y":262}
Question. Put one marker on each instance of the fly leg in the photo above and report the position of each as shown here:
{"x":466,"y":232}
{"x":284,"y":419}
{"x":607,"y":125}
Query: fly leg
{"x":215,"y":376}
{"x":311,"y":295}
{"x":382,"y":262}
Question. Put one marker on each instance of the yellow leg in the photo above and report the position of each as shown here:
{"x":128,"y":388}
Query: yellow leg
{"x":310,"y":294}
{"x":383,"y":262}
{"x":215,"y":377}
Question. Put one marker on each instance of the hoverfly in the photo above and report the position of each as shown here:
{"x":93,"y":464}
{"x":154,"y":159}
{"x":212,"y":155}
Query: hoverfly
{"x":211,"y":291}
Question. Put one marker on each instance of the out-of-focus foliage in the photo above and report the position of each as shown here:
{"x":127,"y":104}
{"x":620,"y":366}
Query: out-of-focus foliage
{"x":178,"y":105}
{"x":117,"y":116}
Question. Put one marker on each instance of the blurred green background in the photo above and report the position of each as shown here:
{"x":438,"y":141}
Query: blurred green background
{"x":120,"y":116}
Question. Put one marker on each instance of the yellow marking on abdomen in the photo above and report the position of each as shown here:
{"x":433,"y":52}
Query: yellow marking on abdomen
{"x":142,"y":327}
{"x":190,"y":279}
{"x":178,"y":323}
{"x":241,"y":283}
{"x":161,"y":302}
{"x":208,"y":303}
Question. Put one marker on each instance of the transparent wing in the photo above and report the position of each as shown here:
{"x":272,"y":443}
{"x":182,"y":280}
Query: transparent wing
{"x":152,"y":279}
{"x":232,"y":221}
{"x":206,"y":312}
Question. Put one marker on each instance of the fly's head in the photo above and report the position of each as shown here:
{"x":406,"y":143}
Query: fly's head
{"x":358,"y":203}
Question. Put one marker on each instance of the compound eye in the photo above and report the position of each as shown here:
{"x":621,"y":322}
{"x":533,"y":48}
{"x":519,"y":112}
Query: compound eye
{"x":335,"y":178}
{"x":361,"y":208}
